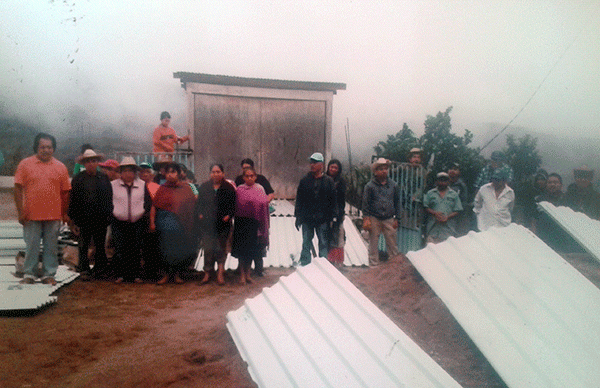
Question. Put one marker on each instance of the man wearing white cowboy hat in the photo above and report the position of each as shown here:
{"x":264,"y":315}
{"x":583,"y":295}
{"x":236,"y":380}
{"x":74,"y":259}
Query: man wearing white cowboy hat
{"x":381,"y":208}
{"x":90,"y":211}
{"x":131,"y":206}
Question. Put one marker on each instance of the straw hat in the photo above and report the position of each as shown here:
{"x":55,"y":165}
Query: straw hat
{"x":89,"y":154}
{"x":379,"y":162}
{"x":128,"y":161}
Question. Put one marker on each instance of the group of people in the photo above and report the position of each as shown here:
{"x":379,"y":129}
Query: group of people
{"x":386,"y":203}
{"x":157,"y":218}
{"x":154,"y":219}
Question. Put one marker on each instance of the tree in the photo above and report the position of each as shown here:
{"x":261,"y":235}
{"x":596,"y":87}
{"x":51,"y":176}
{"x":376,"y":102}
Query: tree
{"x":522,"y":156}
{"x":444,"y":148}
{"x":397,"y":146}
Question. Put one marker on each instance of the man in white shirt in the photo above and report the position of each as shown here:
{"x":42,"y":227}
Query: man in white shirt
{"x":494,"y":202}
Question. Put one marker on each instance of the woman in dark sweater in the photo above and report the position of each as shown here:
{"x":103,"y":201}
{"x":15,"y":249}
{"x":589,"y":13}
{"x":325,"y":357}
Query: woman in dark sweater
{"x":338,"y":236}
{"x":214,"y":209}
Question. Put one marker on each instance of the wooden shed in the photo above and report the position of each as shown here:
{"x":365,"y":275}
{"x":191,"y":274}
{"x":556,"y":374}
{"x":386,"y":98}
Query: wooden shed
{"x":276,"y":123}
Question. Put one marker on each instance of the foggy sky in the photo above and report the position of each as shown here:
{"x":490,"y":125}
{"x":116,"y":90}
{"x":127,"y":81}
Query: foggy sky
{"x":401,"y":60}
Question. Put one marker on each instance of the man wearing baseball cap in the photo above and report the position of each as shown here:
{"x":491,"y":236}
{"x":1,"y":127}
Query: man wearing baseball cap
{"x":90,"y":211}
{"x":443,"y":204}
{"x":315,"y":202}
{"x":111,"y":168}
{"x":581,"y":196}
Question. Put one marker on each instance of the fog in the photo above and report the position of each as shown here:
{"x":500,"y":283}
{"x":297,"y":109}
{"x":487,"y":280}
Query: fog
{"x":401,"y":60}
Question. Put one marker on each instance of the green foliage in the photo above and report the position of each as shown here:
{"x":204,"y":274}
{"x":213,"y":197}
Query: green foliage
{"x":522,"y":156}
{"x":438,"y":140}
{"x":397,"y":146}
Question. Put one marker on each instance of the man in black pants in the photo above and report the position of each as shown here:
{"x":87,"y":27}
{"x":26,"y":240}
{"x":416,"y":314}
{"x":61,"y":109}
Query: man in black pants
{"x":90,"y":210}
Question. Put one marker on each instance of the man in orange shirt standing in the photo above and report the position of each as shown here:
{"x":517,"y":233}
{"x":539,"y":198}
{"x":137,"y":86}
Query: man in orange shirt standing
{"x":164,"y":137}
{"x":41,"y":197}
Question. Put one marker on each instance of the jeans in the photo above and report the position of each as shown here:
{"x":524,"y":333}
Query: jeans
{"x":308,"y":232}
{"x":33,"y":232}
{"x":389,"y":232}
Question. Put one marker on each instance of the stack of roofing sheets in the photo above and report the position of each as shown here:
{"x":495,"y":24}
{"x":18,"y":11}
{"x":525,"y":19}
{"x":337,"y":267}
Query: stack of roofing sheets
{"x":11,"y":241}
{"x":533,"y":316}
{"x":19,"y":297}
{"x":315,"y":329}
{"x":581,"y":227}
{"x":286,"y":242}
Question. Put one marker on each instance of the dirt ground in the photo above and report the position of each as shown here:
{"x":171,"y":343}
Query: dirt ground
{"x":100,"y":334}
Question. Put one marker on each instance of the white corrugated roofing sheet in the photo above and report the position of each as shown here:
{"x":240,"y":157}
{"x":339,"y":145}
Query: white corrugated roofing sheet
{"x":582,"y":228}
{"x":286,"y":242}
{"x":533,"y":316}
{"x":15,"y":296}
{"x":315,"y":329}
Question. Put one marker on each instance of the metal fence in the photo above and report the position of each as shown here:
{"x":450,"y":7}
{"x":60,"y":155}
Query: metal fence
{"x":185,"y":157}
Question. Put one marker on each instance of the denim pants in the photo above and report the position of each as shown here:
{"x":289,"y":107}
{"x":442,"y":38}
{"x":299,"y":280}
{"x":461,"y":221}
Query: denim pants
{"x":47,"y":232}
{"x":308,"y":232}
{"x":389,"y":232}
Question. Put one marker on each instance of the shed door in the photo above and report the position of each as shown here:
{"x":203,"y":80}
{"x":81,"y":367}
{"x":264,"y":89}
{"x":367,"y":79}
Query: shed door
{"x":279,"y":135}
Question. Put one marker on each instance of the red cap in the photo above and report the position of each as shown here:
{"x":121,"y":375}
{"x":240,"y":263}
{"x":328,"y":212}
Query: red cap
{"x":109,"y":163}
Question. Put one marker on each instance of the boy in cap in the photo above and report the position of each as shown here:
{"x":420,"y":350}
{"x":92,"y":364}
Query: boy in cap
{"x":315,"y":202}
{"x":381,"y":208}
{"x":494,"y":202}
{"x":444,"y":205}
{"x":90,"y":211}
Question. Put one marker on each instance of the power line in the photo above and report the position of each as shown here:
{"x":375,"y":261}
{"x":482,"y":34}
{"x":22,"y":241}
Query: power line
{"x":533,"y":95}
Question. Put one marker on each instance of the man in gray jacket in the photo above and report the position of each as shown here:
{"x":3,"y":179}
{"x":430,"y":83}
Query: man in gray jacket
{"x":381,"y":208}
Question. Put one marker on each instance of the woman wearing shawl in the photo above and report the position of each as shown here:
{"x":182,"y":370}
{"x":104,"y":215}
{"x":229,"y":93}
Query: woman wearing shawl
{"x":251,"y":229}
{"x":214,"y":209}
{"x":338,"y":237}
{"x":172,"y":216}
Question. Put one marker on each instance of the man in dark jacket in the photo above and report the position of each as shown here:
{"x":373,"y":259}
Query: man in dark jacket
{"x":315,"y":202}
{"x":581,"y":196}
{"x":90,"y":211}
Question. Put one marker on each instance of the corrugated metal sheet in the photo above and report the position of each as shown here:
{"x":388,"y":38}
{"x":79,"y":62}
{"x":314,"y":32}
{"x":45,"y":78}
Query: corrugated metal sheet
{"x":315,"y":329}
{"x":286,"y":242}
{"x":15,"y":296}
{"x":533,"y":316}
{"x":582,"y":228}
{"x":11,"y":241}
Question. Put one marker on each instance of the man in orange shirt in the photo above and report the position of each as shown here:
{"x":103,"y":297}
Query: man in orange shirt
{"x":41,"y":197}
{"x":164,"y":137}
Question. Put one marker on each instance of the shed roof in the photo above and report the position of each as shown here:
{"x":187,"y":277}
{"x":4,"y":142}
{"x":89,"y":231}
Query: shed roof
{"x":213,"y":79}
{"x":314,"y":328}
{"x":532,"y":315}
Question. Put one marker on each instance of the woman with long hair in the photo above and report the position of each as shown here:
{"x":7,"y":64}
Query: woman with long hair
{"x":338,"y":236}
{"x":251,"y":229}
{"x":214,"y":213}
{"x":172,"y":216}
